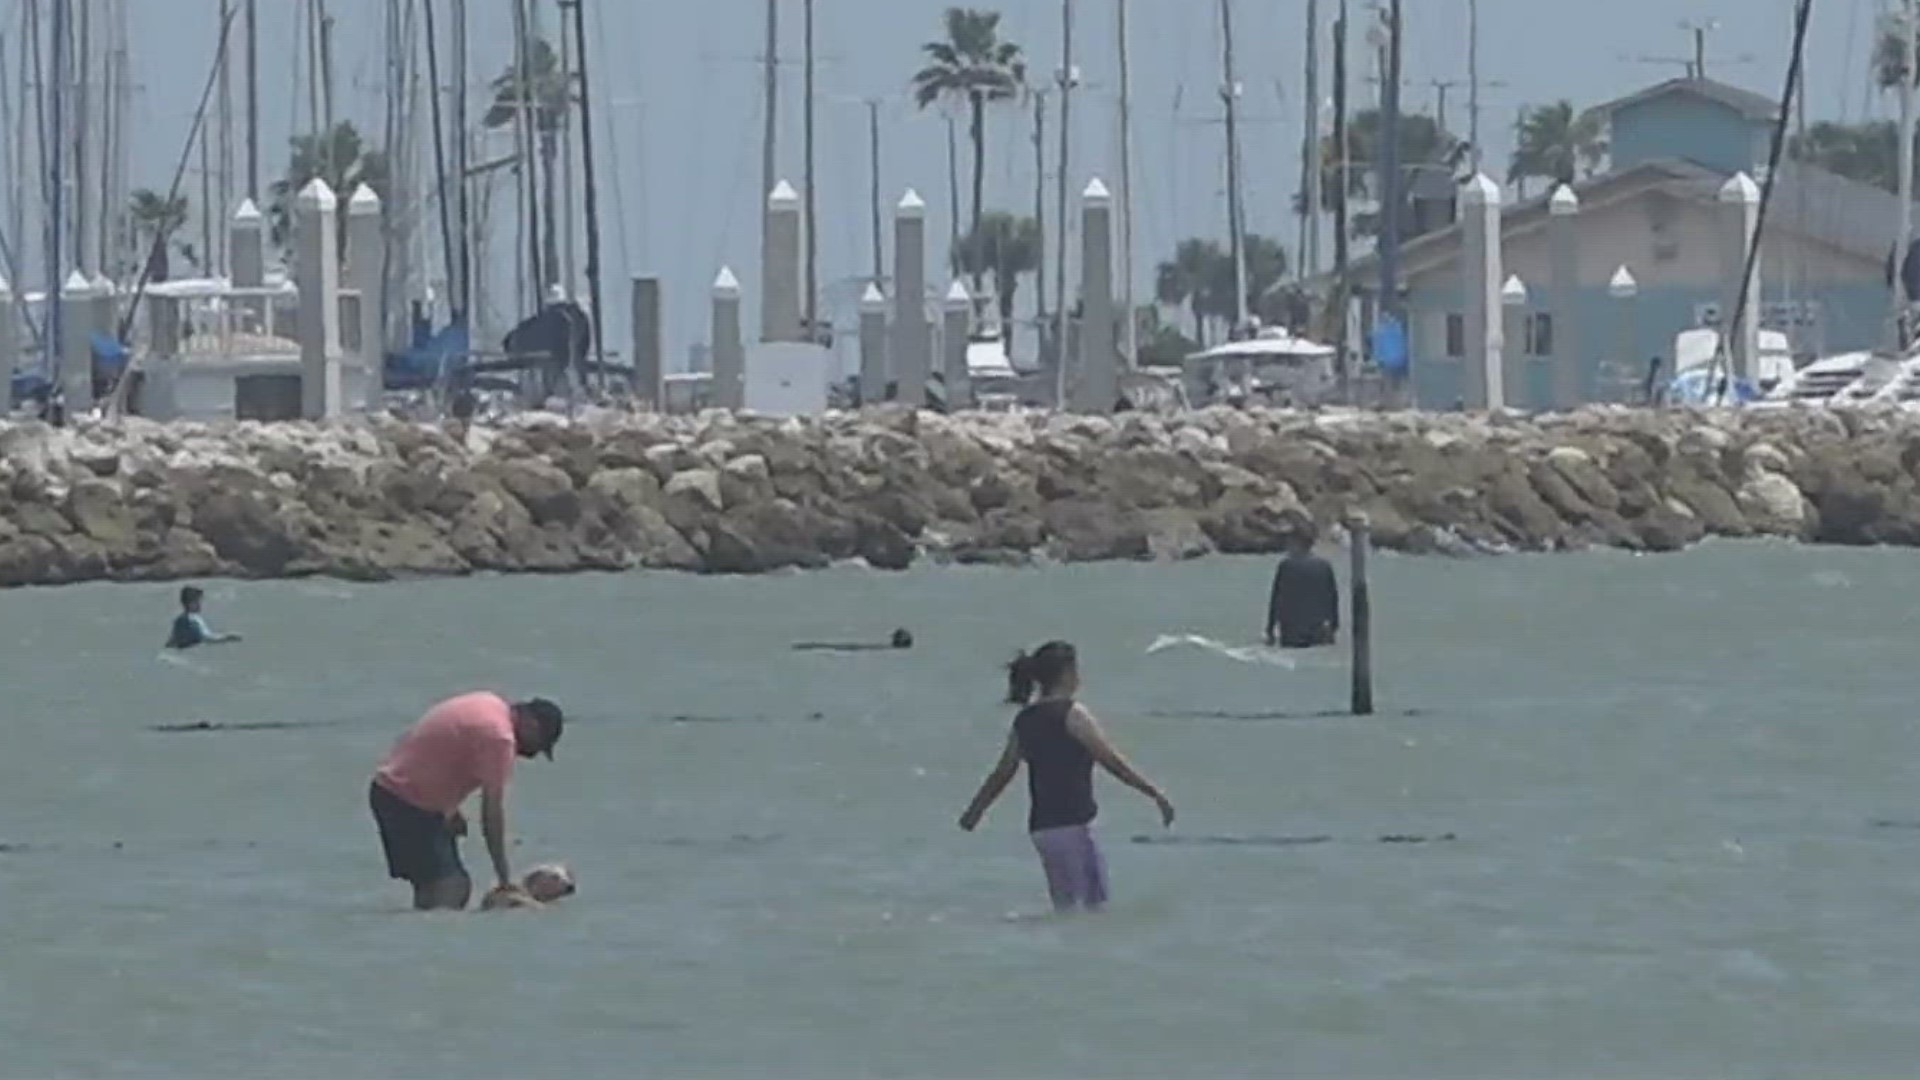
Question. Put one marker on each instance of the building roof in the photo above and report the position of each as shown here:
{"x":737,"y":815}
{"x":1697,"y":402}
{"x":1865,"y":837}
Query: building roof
{"x":1748,"y":103}
{"x":1852,"y":217}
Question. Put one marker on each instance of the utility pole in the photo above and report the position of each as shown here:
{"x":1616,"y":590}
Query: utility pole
{"x":873,"y":148}
{"x":1440,"y":88}
{"x":1130,"y":326}
{"x":1697,"y":30}
{"x":1229,"y":95}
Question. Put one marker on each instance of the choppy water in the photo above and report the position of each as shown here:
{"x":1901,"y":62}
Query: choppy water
{"x":1685,"y":792}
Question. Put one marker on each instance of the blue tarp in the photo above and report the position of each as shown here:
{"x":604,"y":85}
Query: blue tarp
{"x":109,"y":355}
{"x":1697,"y":386}
{"x":1389,"y":345}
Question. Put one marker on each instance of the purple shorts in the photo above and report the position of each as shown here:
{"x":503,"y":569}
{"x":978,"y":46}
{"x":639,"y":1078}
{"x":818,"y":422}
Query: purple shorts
{"x":1076,"y":874}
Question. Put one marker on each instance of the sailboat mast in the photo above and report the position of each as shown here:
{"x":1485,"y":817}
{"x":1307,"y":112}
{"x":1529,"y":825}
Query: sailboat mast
{"x":81,"y":42}
{"x":593,"y":206}
{"x":1309,"y":251}
{"x":530,"y":172}
{"x":253,"y":103}
{"x":463,"y":285}
{"x":1390,"y":199}
{"x":1229,"y":95}
{"x":1129,"y":326}
{"x":769,"y":136}
{"x":1040,"y":222}
{"x":1904,"y":245}
{"x":56,"y":184}
{"x":215,"y":261}
{"x":1473,"y":81}
{"x":1060,"y":256}
{"x":569,"y":258}
{"x":1342,"y":185}
{"x":813,"y":245}
{"x":873,"y":147}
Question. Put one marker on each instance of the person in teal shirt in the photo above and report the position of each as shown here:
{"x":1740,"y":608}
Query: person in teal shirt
{"x":190,"y":627}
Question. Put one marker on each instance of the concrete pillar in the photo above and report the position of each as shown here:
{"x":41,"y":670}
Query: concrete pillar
{"x":649,"y":346}
{"x":106,"y":306}
{"x":366,"y":261}
{"x":1482,"y":372}
{"x":780,"y":266}
{"x":911,"y":350}
{"x":317,"y":258}
{"x":9,"y":336}
{"x":873,"y":346}
{"x":1096,"y":384}
{"x":955,"y":330}
{"x":1563,"y":243}
{"x":729,"y":352}
{"x":1739,"y":220}
{"x":76,"y":343}
{"x":247,"y":260}
{"x":158,"y":393}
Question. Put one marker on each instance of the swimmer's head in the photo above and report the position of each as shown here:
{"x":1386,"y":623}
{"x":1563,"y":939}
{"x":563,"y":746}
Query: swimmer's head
{"x":190,"y":597}
{"x":549,"y":882}
{"x":902,"y":638}
{"x":1300,"y":536}
{"x":1053,"y":670}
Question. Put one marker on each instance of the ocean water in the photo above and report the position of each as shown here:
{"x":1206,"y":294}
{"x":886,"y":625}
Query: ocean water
{"x":1683,"y":795}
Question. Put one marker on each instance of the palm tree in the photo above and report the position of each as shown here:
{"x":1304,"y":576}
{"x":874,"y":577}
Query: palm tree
{"x":1556,"y":145}
{"x":1006,"y":246}
{"x":1266,"y":264}
{"x":1182,"y":281}
{"x":1424,"y":146}
{"x":1865,"y":152}
{"x":1888,"y":60}
{"x":155,"y":218}
{"x":972,"y":66}
{"x":550,"y":94}
{"x":342,"y":159}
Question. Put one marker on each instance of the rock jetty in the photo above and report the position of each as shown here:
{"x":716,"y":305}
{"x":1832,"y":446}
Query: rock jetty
{"x":719,"y":493}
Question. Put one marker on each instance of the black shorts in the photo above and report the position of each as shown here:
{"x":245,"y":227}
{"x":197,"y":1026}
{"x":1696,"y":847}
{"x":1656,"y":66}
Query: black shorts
{"x":420,"y":847}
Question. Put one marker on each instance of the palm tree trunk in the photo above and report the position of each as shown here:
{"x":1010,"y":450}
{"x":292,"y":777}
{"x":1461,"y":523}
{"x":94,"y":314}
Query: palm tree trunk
{"x":979,"y":171}
{"x":550,"y":254}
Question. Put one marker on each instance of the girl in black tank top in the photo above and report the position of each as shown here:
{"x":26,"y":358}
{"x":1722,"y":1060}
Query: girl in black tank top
{"x":1059,"y":741}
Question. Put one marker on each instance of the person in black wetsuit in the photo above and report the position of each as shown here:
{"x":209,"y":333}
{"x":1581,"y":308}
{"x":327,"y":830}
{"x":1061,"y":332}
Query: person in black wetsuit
{"x":901,"y":639}
{"x":1059,"y":740}
{"x":1303,"y":610}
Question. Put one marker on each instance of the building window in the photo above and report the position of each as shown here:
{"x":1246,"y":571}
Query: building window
{"x":1539,"y":331}
{"x":1456,"y":335}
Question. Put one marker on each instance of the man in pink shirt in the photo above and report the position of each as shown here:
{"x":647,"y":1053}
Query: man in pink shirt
{"x":461,"y":745}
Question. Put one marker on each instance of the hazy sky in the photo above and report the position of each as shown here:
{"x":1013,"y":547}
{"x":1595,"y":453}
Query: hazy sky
{"x":678,"y":94}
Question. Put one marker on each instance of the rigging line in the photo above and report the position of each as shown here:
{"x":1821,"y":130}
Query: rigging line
{"x":1801,"y":18}
{"x":162,"y":234}
{"x":613,"y":148}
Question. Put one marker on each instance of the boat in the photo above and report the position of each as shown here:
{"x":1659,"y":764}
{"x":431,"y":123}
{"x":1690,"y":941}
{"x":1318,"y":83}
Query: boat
{"x":1273,"y":367}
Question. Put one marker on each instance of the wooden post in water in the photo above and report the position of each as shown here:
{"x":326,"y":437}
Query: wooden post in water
{"x":1358,"y":540}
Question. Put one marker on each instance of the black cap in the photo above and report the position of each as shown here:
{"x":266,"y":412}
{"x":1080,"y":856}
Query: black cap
{"x":550,"y":719}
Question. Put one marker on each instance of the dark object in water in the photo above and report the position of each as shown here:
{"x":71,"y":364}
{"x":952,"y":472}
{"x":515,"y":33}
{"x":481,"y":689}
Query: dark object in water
{"x":246,"y":725}
{"x":1220,"y":840}
{"x":901,"y":639}
{"x":1249,"y":717}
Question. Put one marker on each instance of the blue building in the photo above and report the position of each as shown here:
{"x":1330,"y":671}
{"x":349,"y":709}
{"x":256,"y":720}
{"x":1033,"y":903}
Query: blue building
{"x":1824,"y":253}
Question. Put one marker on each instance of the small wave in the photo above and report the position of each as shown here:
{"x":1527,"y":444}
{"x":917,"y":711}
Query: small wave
{"x":1243,"y":654}
{"x":175,"y":659}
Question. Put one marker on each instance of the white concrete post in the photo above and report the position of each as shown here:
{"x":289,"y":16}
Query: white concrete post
{"x":76,"y":343}
{"x":158,"y":393}
{"x":247,"y":258}
{"x":1482,"y":372}
{"x":1563,"y":242}
{"x":955,"y":330}
{"x":316,"y":254}
{"x":106,"y":306}
{"x":9,"y":334}
{"x":729,"y":352}
{"x":873,"y":346}
{"x":780,"y":266}
{"x":649,"y":347}
{"x":912,"y":348}
{"x":365,"y":251}
{"x":1739,"y":220}
{"x":1096,"y":384}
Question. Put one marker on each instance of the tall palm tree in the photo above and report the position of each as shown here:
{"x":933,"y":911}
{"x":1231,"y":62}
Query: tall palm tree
{"x":1183,"y":281}
{"x":341,"y":158}
{"x":1266,"y":264}
{"x":550,"y":94}
{"x":1006,"y":246}
{"x":155,"y":218}
{"x":1424,"y":146}
{"x":1555,"y":144}
{"x":1887,"y":55}
{"x":974,"y":67}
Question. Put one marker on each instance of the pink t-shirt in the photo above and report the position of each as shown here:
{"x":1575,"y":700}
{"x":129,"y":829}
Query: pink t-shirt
{"x":462,"y":744}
